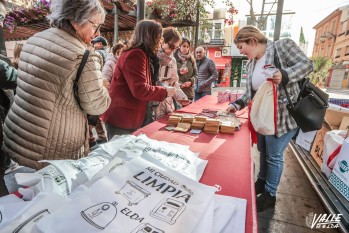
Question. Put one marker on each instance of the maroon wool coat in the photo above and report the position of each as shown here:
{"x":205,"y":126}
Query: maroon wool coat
{"x":130,"y":91}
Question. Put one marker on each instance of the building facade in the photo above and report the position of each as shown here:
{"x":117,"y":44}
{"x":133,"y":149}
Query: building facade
{"x":332,"y":41}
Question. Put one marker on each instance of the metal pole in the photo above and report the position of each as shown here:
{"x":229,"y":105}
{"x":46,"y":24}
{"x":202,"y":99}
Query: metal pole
{"x":197,"y":25}
{"x":140,"y":10}
{"x":116,"y":23}
{"x":278,"y":20}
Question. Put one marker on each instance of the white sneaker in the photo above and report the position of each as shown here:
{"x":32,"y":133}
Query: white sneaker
{"x":13,"y":166}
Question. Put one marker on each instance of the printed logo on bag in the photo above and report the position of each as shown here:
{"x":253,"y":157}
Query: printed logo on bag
{"x":343,"y":166}
{"x":322,"y":220}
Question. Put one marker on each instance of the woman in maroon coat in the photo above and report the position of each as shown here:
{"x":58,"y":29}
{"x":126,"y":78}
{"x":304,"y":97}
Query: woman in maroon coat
{"x":132,"y":85}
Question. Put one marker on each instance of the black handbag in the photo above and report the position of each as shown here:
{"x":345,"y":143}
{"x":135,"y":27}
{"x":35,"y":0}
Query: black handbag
{"x":310,"y":107}
{"x":92,"y":119}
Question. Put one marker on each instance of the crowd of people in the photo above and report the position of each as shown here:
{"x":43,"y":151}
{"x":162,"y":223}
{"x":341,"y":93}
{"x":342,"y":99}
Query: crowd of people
{"x":153,"y":75}
{"x":128,"y":88}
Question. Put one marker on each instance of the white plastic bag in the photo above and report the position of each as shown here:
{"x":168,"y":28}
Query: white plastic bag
{"x":264,"y":109}
{"x":333,"y":141}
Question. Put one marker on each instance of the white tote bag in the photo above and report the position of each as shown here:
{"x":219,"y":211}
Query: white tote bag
{"x":333,"y":141}
{"x":136,"y":197}
{"x":264,"y":109}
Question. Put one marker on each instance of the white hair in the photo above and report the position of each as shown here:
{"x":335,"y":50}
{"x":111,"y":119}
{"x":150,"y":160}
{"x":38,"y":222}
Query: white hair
{"x":63,"y":12}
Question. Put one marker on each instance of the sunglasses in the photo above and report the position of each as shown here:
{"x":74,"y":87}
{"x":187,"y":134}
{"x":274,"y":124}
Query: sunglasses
{"x":95,"y":26}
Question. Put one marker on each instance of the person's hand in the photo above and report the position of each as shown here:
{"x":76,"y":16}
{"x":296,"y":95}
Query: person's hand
{"x":230,"y":108}
{"x":171,"y":91}
{"x":184,"y":102}
{"x":185,"y":84}
{"x":106,"y":83}
{"x":183,"y":70}
{"x":277,"y":77}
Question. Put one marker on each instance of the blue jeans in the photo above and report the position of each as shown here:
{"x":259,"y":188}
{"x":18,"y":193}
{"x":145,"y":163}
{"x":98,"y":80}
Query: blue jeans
{"x":201,"y":94}
{"x":271,"y":150}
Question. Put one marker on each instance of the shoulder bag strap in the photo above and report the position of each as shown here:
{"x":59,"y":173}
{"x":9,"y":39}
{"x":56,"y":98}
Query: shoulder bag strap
{"x":82,"y":65}
{"x":166,"y":71}
{"x":78,"y":75}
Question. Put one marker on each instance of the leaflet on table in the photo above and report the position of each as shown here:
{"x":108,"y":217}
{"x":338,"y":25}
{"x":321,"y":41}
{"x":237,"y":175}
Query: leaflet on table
{"x":136,"y":196}
{"x":28,"y":215}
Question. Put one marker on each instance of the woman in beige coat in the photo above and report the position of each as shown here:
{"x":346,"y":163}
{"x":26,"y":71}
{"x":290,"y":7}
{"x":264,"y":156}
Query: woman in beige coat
{"x":45,"y":121}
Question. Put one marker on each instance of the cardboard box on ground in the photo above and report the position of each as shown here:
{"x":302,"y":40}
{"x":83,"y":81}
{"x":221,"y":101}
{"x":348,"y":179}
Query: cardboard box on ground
{"x":336,"y":118}
{"x":333,"y":119}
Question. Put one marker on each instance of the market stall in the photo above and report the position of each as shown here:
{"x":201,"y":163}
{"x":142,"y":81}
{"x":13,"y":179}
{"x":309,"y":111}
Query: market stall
{"x":153,"y":181}
{"x":229,"y":156}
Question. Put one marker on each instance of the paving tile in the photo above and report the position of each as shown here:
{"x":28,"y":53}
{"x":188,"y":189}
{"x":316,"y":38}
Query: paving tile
{"x":276,"y":226}
{"x":297,"y":186}
{"x":292,"y":209}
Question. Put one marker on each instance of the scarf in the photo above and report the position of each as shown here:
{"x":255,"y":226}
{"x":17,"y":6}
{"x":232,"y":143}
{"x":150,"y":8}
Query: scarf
{"x":164,"y":58}
{"x":183,"y":57}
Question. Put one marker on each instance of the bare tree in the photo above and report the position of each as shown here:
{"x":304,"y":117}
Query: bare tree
{"x":260,"y":22}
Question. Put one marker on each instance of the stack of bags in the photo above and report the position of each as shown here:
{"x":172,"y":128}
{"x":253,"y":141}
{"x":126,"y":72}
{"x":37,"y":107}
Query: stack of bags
{"x":174,"y":120}
{"x":227,"y":127}
{"x":212,"y":126}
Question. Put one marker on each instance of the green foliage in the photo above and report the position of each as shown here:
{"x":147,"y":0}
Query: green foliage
{"x":235,"y":74}
{"x":321,"y":67}
{"x":177,"y":10}
{"x":301,"y":37}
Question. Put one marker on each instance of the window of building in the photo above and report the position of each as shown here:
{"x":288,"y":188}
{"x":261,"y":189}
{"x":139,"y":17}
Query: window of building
{"x":346,"y":51}
{"x":217,"y":31}
{"x":344,"y":26}
{"x":338,"y":53}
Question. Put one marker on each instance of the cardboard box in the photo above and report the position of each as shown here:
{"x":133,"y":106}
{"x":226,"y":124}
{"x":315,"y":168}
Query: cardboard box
{"x":344,"y":124}
{"x":332,"y":121}
{"x":334,"y":117}
{"x":317,"y":148}
{"x":305,"y":140}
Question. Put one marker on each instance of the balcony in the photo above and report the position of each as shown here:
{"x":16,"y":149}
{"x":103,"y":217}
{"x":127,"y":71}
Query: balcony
{"x":213,"y":42}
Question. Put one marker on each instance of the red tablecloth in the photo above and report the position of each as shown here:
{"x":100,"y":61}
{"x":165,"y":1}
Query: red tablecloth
{"x":229,"y":156}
